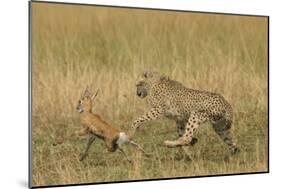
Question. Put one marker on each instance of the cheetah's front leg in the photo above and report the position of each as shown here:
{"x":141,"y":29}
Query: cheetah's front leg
{"x":153,"y":114}
{"x":195,"y":119}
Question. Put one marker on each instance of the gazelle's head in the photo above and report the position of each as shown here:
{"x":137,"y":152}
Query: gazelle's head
{"x":86,"y":101}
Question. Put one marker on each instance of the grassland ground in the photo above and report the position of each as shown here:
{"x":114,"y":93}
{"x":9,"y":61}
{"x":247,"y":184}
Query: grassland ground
{"x":107,"y":48}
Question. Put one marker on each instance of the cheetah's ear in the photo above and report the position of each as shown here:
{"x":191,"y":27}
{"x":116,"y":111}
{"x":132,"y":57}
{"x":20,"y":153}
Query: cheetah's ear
{"x":147,"y":74}
{"x":163,"y":77}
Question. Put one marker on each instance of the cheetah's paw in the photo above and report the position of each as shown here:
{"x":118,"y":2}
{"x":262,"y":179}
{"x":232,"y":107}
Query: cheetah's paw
{"x":171,"y":144}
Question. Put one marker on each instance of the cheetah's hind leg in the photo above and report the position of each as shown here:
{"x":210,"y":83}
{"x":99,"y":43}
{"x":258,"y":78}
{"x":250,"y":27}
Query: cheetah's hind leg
{"x":180,"y":127}
{"x":222,"y":128}
{"x":181,"y":130}
{"x":192,"y":124}
{"x":183,"y":153}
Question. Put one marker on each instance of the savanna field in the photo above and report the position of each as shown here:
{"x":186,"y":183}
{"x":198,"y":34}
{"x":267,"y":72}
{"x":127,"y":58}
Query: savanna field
{"x":107,"y":48}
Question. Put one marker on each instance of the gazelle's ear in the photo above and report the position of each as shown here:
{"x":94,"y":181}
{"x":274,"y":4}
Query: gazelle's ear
{"x":87,"y":92}
{"x":94,"y":95}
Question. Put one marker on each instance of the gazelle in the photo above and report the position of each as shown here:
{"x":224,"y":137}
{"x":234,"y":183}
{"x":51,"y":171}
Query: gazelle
{"x":95,"y":127}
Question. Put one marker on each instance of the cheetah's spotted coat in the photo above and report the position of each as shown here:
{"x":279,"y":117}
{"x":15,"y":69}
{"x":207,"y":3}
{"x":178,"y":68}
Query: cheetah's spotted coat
{"x":188,"y":107}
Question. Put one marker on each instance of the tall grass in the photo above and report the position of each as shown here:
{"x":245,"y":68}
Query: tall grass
{"x":107,"y":48}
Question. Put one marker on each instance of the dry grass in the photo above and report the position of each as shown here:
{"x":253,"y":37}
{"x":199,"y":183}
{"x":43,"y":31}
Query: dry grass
{"x":107,"y":48}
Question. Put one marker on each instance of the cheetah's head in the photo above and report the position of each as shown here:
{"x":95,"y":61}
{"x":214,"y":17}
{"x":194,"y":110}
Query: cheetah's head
{"x":145,"y":81}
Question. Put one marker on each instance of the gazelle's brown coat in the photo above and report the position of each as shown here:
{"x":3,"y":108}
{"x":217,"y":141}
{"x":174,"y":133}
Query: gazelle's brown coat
{"x":94,"y":124}
{"x":96,"y":127}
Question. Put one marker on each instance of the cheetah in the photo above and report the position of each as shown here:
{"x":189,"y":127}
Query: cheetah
{"x":189,"y":108}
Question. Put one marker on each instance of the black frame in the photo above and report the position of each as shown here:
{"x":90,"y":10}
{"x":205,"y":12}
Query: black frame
{"x":142,"y":8}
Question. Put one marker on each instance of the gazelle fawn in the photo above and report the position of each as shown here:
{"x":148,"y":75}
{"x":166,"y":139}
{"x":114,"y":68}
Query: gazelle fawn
{"x":95,"y":127}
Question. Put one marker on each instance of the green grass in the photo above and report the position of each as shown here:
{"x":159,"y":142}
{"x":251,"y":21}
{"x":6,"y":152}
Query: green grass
{"x":108,"y":48}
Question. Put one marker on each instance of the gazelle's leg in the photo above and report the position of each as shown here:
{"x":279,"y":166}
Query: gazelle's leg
{"x":153,"y":114}
{"x":123,"y":152}
{"x":91,"y":139}
{"x":82,"y":131}
{"x":139,"y":147}
{"x":195,"y":119}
